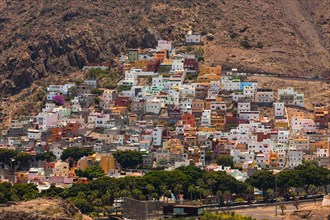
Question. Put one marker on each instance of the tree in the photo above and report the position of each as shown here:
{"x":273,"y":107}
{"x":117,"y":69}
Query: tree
{"x":225,"y":160}
{"x":91,"y":172}
{"x":48,"y":156}
{"x":219,"y":195}
{"x":150,"y":190}
{"x":137,"y":194}
{"x":270,"y":194}
{"x":296,"y":203}
{"x":191,"y":191}
{"x":282,"y":207}
{"x":227,"y":196}
{"x":177,"y":190}
{"x":24,"y":192}
{"x":97,"y":91}
{"x":75,"y":153}
{"x":59,"y":100}
{"x":262,"y":180}
{"x":128,"y":158}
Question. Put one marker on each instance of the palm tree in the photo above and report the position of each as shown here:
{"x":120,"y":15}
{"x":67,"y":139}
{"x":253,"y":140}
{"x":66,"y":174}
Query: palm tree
{"x":163,"y":190}
{"x":227,"y":196}
{"x":270,"y":194}
{"x":98,"y":203}
{"x":250,"y":192}
{"x":137,"y":194}
{"x":191,"y":190}
{"x":150,"y":188}
{"x":219,"y":195}
{"x":178,"y":189}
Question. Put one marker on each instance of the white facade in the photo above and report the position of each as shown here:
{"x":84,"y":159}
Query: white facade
{"x":250,"y":115}
{"x":229,"y":84}
{"x":283,"y":137}
{"x":206,"y":118}
{"x":264,"y":146}
{"x":243,"y":107}
{"x":193,"y":38}
{"x":164,"y":45}
{"x":34,"y":134}
{"x":45,"y":120}
{"x":157,"y":135}
{"x":279,"y":109}
{"x":303,"y":125}
{"x":295,"y":157}
{"x":153,"y":106}
{"x":177,"y":64}
{"x":241,"y":157}
{"x":322,"y":152}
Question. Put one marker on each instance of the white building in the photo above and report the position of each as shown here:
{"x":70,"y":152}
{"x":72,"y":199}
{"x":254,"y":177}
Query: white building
{"x":153,"y":106}
{"x":264,"y":95}
{"x":243,"y":107}
{"x":34,"y":134}
{"x":265,"y":146}
{"x":322,"y":152}
{"x":75,"y":105}
{"x":164,"y":45}
{"x":193,"y":38}
{"x":45,"y":120}
{"x":230,"y":84}
{"x":177,"y":64}
{"x":303,"y":125}
{"x":249,"y":115}
{"x":206,"y":118}
{"x":279,"y":109}
{"x":295,"y":157}
{"x":157,"y":135}
{"x":283,"y":137}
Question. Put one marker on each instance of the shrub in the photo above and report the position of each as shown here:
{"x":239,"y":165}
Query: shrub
{"x":246,"y":44}
{"x":260,"y":45}
{"x":233,"y":35}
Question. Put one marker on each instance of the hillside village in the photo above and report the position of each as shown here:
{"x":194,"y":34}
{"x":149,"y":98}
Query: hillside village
{"x":175,"y":110}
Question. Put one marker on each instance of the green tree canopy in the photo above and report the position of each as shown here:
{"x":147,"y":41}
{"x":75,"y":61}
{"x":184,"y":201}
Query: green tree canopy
{"x":48,"y":156}
{"x":75,"y":153}
{"x":262,"y":180}
{"x":225,"y":160}
{"x":128,"y":158}
{"x":91,"y":172}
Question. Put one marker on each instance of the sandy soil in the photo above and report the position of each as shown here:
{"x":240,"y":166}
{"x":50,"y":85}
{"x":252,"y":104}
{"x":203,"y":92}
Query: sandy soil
{"x":317,"y":212}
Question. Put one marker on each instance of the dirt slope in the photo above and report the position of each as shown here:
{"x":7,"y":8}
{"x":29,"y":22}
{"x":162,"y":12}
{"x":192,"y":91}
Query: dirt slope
{"x":54,"y":37}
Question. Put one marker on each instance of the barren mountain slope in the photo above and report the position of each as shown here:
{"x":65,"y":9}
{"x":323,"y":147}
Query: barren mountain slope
{"x":43,"y":37}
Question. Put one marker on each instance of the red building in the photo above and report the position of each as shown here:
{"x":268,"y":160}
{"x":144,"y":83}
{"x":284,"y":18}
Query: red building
{"x":190,"y":64}
{"x":321,"y":116}
{"x":122,"y":101}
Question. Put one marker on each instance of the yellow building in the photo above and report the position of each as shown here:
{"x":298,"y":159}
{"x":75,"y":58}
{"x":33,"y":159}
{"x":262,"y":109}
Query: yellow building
{"x":281,"y":124}
{"x":211,"y":70}
{"x":141,"y":64}
{"x":273,"y":159}
{"x":106,"y":161}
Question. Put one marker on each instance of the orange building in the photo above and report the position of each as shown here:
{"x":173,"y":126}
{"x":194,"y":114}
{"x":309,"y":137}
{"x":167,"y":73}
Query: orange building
{"x":189,"y":119}
{"x":160,"y":55}
{"x":218,"y":120}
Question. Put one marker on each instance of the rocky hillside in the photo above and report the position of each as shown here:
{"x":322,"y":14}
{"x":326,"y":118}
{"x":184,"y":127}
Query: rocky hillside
{"x":55,"y":37}
{"x":42,"y":209}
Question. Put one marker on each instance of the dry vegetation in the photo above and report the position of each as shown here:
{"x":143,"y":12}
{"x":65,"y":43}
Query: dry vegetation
{"x":42,"y":209}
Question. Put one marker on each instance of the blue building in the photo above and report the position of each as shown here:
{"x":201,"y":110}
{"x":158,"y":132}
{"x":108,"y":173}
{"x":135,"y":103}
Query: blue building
{"x":244,"y":84}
